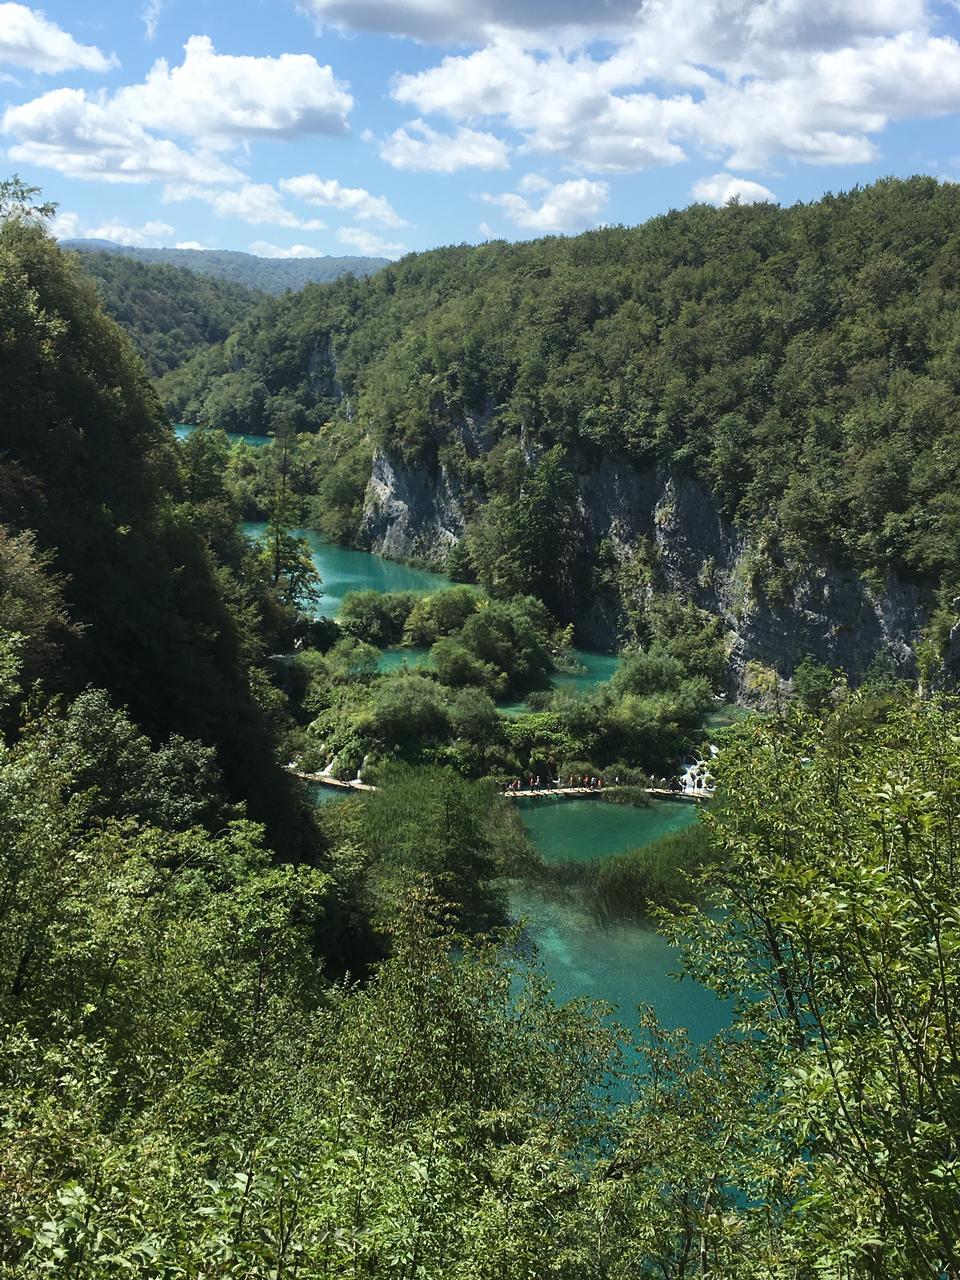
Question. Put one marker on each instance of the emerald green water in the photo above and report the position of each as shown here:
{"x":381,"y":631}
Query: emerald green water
{"x":588,"y":830}
{"x":320,"y":794}
{"x":343,"y":569}
{"x":624,"y":965}
{"x":394,"y":659}
{"x":183,"y":429}
{"x":597,"y":667}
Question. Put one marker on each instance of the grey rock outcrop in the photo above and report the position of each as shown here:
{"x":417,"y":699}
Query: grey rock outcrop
{"x":411,"y":514}
{"x":773,"y":615}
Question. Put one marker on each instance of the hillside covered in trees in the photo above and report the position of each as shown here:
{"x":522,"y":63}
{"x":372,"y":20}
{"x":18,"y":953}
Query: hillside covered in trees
{"x":267,"y":275}
{"x":799,"y":362}
{"x":170,"y":313}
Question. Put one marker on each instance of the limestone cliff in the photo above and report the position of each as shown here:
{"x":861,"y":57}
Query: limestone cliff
{"x":773,"y":613}
{"x":411,"y":514}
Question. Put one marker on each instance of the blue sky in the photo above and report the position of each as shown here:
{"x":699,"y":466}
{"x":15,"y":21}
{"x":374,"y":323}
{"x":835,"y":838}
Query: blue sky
{"x":379,"y":126}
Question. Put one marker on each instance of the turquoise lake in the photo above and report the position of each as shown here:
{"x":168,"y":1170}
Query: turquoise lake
{"x":624,"y":965}
{"x":343,"y":569}
{"x":584,"y":830}
{"x":184,"y":429}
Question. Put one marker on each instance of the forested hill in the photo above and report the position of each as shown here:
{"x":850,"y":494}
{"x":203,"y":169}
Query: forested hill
{"x":800,"y":362}
{"x":118,"y":568}
{"x":169,"y":312}
{"x":269,"y":275}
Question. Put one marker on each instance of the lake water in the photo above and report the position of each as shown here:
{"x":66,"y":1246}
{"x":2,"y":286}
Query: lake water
{"x":344,"y":569}
{"x":595,"y":668}
{"x":394,"y":659}
{"x":183,"y":429}
{"x":582,"y":830}
{"x":624,"y":965}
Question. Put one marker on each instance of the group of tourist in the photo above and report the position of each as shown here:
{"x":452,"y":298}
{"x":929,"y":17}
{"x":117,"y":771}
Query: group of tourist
{"x":576,"y":782}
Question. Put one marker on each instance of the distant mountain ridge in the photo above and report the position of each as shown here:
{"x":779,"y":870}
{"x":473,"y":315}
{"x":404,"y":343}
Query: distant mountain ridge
{"x":269,"y":275}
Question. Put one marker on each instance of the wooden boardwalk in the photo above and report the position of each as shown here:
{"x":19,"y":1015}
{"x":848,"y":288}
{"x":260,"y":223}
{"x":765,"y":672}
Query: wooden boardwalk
{"x":325,"y":780}
{"x":538,"y":793}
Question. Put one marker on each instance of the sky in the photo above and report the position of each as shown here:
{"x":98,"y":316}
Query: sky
{"x":299,"y":128}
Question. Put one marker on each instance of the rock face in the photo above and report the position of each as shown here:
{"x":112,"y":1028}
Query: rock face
{"x":774,"y":615}
{"x":815,"y":609}
{"x":410,"y":514}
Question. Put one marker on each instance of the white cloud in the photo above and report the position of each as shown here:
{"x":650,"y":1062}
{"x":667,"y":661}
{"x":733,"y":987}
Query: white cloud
{"x":563,"y":106}
{"x":370,"y":245}
{"x":256,"y":203}
{"x":329,"y":193}
{"x":28,"y":39}
{"x":721,"y":188}
{"x":263,"y":249}
{"x":150,"y":14}
{"x":486,"y":231}
{"x":438,"y":152}
{"x":568,"y":206}
{"x":743,"y":81}
{"x":213,"y":101}
{"x":69,"y":226}
{"x":709,"y":23}
{"x":222,"y":99}
{"x":120,"y":233}
{"x":84,"y":137}
{"x":190,"y":244}
{"x":65,"y":226}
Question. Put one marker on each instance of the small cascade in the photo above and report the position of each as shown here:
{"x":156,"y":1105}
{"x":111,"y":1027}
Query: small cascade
{"x":697,"y":780}
{"x":358,"y":780}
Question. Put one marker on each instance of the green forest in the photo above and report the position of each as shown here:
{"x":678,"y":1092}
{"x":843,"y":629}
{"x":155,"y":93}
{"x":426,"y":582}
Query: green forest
{"x":800,"y":362}
{"x":170,"y":313}
{"x":245,"y":1034}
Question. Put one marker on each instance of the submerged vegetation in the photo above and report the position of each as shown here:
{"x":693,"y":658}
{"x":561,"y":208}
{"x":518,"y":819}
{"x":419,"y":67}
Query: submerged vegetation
{"x":244,"y":1037}
{"x":632,"y":886}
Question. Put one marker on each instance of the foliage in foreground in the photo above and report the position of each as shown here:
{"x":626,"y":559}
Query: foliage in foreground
{"x":121,"y":563}
{"x":183,"y":1091}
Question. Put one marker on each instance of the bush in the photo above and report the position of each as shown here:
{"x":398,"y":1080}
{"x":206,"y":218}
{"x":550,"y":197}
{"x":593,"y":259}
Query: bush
{"x":631,"y":885}
{"x":407,"y":712}
{"x":456,"y":667}
{"x":376,"y":617}
{"x":430,"y":821}
{"x":440,"y":614}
